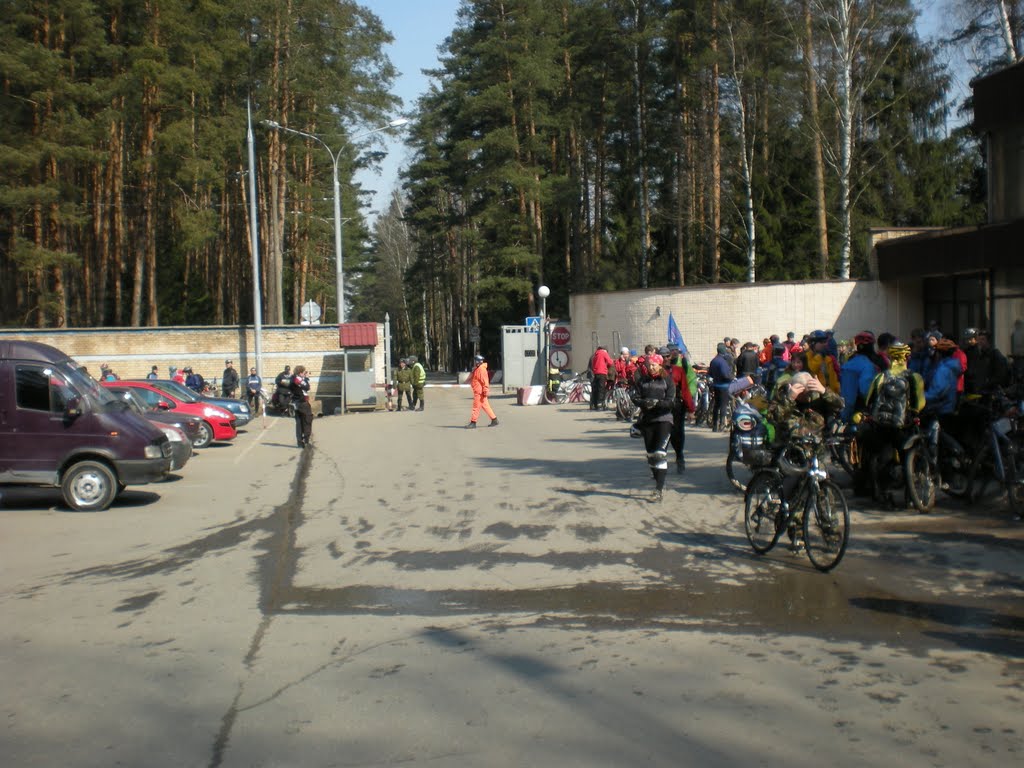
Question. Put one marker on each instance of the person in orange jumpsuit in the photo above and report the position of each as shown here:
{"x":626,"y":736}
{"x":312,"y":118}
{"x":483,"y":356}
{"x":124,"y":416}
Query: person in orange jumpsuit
{"x":481,"y":385}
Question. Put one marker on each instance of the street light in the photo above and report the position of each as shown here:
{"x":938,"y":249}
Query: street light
{"x":543,"y":291}
{"x":338,"y":270}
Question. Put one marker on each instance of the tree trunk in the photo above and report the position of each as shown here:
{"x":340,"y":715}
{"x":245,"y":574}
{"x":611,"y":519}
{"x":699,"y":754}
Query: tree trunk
{"x":816,"y":151}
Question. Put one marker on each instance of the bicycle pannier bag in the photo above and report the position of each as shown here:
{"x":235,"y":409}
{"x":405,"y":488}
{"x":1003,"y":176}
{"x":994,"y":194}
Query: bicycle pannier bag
{"x":890,"y":406}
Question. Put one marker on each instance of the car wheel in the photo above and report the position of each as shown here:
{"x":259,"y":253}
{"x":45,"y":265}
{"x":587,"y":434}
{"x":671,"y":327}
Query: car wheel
{"x":205,"y":436}
{"x":89,"y":486}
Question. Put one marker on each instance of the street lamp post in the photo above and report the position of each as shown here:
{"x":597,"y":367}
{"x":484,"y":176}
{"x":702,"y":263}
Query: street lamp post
{"x":543,"y":291}
{"x":339,"y":274}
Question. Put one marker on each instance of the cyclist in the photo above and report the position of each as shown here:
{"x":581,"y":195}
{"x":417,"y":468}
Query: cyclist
{"x":857,"y":373}
{"x":723,"y":371}
{"x":656,"y":397}
{"x":685,"y":381}
{"x":896,"y":396}
{"x":821,"y":363}
{"x":599,"y":365}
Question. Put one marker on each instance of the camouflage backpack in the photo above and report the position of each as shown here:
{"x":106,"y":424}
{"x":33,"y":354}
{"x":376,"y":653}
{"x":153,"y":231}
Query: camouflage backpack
{"x":892,"y":399}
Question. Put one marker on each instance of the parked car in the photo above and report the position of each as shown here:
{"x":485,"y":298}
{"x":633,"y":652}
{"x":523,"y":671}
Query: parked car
{"x":218,"y":424}
{"x":59,"y":427}
{"x":238,"y":408}
{"x":174,"y":425}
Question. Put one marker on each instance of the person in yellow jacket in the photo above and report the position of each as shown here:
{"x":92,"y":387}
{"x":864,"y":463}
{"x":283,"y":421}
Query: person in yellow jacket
{"x":481,"y":385}
{"x":822,"y":364}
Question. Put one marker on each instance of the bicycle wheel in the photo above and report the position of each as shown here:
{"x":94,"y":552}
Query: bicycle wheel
{"x":826,"y":526}
{"x":763,"y":514}
{"x":849,"y":456}
{"x":917,"y":474}
{"x":739,"y":474}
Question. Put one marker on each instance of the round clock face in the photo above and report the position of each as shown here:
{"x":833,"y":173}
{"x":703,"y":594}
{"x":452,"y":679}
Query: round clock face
{"x":559,"y":358}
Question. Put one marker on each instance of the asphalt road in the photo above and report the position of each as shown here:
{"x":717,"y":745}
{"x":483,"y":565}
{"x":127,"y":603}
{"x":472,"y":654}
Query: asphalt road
{"x":410,"y":592}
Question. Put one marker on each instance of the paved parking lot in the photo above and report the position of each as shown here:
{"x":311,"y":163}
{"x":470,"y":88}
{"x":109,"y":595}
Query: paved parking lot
{"x":411,"y":592}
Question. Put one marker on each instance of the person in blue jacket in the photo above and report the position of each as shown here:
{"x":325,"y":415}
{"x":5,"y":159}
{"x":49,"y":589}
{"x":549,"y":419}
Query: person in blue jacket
{"x":940,"y":391}
{"x":857,"y":373}
{"x":723,"y":371}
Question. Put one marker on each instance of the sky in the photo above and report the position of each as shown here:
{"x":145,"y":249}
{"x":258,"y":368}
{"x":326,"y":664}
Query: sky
{"x":420,"y":26}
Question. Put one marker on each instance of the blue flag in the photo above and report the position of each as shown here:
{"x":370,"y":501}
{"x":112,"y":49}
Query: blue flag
{"x":674,"y":336}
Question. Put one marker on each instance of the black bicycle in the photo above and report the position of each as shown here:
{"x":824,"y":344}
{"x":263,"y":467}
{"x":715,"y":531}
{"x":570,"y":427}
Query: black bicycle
{"x":814,"y":507}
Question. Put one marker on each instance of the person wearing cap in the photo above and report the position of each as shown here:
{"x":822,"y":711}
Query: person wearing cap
{"x":857,"y":373}
{"x":655,"y":396}
{"x":722,"y":370}
{"x":253,"y":390}
{"x":194,"y":381}
{"x":419,"y":381}
{"x":599,"y":365}
{"x":403,"y":379}
{"x":481,"y":384}
{"x":940,"y":389}
{"x":822,"y":364}
{"x":229,"y":381}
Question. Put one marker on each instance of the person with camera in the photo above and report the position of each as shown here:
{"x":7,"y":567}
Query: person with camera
{"x":298,"y":386}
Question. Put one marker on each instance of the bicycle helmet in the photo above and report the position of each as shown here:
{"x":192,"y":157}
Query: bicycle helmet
{"x":898,"y":351}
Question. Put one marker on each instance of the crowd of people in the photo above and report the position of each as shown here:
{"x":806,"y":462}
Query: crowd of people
{"x":807,"y":383}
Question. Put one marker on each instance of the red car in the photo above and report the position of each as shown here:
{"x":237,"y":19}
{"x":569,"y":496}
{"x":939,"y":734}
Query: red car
{"x":218,"y":423}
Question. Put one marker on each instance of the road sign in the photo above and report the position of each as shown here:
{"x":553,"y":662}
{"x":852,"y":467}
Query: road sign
{"x":533,"y":324}
{"x":560,"y":336}
{"x":559,"y":358}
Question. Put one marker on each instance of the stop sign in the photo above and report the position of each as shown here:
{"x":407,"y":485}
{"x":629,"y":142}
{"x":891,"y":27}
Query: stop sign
{"x":560,"y":336}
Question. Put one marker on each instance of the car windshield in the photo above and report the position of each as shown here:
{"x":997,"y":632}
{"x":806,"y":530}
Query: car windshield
{"x":135,"y":402}
{"x":86,"y":385}
{"x":179,"y":391}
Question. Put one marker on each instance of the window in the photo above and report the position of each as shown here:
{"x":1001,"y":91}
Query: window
{"x":38,"y":389}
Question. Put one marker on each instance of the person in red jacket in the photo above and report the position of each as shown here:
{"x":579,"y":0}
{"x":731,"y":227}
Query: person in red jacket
{"x":481,"y":385}
{"x":624,"y":367}
{"x":599,"y":365}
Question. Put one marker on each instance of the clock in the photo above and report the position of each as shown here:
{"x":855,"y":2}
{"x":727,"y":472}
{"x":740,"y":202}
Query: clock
{"x":558,"y":358}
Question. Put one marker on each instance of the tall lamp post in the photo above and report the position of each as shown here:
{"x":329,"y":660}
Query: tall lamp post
{"x":339,"y":275}
{"x":257,"y":311}
{"x":543,"y":292}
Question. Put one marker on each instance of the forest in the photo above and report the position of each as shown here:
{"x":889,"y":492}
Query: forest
{"x":590,"y":145}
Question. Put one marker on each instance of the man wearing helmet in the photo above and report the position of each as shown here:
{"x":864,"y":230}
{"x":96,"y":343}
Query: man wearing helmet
{"x":987,"y":369}
{"x":857,"y":373}
{"x":481,"y":385}
{"x":821,"y":363}
{"x":895,"y":397}
{"x":940,"y":392}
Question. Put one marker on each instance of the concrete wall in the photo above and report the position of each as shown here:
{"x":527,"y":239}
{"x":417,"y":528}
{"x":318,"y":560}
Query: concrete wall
{"x":131,"y":352}
{"x":706,"y":314}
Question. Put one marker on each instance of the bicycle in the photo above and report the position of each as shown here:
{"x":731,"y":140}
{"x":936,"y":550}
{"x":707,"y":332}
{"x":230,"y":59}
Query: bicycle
{"x":816,"y":505}
{"x":574,"y":390}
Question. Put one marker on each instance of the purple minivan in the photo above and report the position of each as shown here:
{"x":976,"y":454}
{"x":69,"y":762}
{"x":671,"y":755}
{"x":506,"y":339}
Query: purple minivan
{"x":58,"y":427}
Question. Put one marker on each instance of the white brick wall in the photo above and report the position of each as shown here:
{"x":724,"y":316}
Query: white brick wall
{"x":706,"y":314}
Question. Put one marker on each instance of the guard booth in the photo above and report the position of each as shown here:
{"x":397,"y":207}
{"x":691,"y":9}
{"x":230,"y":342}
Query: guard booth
{"x":360,"y":367}
{"x":521,"y":354}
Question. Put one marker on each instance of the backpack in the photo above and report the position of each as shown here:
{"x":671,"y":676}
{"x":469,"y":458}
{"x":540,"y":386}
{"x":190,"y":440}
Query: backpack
{"x":892,"y":399}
